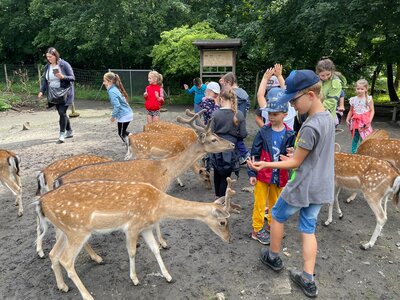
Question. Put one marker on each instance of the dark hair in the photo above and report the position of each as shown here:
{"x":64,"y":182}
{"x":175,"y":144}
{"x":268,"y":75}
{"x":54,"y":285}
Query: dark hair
{"x":325,"y":64}
{"x":53,"y":51}
{"x":197,"y":81}
{"x":230,"y":78}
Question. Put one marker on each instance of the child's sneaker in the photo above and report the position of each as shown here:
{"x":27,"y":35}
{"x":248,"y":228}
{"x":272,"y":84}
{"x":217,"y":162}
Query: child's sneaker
{"x":308,"y":287}
{"x":275,"y":264}
{"x":262,"y":236}
{"x":266,"y":213}
{"x":267,"y":228}
{"x":69,"y":134}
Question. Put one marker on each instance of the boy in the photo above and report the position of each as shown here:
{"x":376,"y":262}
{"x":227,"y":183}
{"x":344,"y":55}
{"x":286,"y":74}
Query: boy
{"x":312,"y":182}
{"x":271,"y":141}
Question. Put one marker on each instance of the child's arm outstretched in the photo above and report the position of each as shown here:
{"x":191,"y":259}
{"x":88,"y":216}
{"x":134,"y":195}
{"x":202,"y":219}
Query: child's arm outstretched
{"x":263,"y":87}
{"x":278,"y":73}
{"x":371,"y":110}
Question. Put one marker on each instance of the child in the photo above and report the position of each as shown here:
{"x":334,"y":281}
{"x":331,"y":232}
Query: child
{"x":331,"y":85}
{"x":229,"y":81}
{"x":230,"y":124}
{"x":340,"y":108}
{"x":267,"y":82}
{"x":361,"y":113}
{"x":312,"y":180}
{"x":271,"y":141}
{"x":210,"y":101}
{"x":198,"y":89}
{"x":122,"y":113}
{"x":154,"y":96}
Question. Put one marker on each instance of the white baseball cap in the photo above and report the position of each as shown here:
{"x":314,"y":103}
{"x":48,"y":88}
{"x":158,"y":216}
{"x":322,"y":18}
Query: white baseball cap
{"x":214,"y":86}
{"x":273,"y":82}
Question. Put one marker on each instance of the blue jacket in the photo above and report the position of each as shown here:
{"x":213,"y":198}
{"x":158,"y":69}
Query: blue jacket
{"x":69,"y":78}
{"x":119,"y":105}
{"x":198,"y":92}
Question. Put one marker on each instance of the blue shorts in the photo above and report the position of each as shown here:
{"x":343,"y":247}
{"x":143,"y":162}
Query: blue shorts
{"x":282,"y":211}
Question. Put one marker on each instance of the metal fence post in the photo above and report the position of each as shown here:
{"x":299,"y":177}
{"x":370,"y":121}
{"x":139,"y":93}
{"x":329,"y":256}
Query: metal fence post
{"x":6,"y":76}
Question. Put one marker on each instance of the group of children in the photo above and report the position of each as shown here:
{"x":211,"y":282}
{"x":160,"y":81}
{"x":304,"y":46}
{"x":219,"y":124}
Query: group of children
{"x":291,"y":162}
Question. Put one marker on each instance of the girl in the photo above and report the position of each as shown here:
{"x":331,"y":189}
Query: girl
{"x":230,"y":124}
{"x":122,"y":113}
{"x":331,"y":85}
{"x":228,"y":81}
{"x":154,"y":96}
{"x":210,"y":101}
{"x":361,"y":113}
{"x":198,"y":89}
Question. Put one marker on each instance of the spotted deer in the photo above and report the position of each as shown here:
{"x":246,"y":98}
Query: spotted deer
{"x":376,"y":179}
{"x":10,"y":177}
{"x":46,"y":177}
{"x":187,"y":136}
{"x":159,"y":173}
{"x":77,"y":210}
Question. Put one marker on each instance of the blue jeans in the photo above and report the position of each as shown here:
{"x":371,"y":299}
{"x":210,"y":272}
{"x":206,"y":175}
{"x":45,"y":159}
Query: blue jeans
{"x":355,"y":141}
{"x":197,"y":108}
{"x":282,"y":211}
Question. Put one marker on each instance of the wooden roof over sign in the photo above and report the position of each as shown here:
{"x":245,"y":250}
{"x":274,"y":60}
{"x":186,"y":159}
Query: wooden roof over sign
{"x":218,"y":44}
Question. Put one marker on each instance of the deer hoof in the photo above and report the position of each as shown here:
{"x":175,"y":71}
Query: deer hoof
{"x":326,"y":223}
{"x":63,"y":287}
{"x":20,"y":213}
{"x":169,"y":279}
{"x":135,"y":281}
{"x":41,"y":254}
{"x":365,"y":246}
{"x":165,"y":246}
{"x":341,"y":216}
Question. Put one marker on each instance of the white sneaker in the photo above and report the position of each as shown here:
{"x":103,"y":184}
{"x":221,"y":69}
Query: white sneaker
{"x":61,"y":138}
{"x":70,"y":134}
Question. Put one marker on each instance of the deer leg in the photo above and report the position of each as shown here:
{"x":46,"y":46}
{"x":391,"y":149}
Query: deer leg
{"x":380,"y":215}
{"x":330,"y":211}
{"x":93,"y":255}
{"x":39,"y":240}
{"x":55,"y":261}
{"x":128,"y":154}
{"x":15,"y":187}
{"x":151,"y":242}
{"x":67,"y":260}
{"x":351,"y":198}
{"x":131,"y":240}
{"x":161,"y":240}
{"x":179,"y":181}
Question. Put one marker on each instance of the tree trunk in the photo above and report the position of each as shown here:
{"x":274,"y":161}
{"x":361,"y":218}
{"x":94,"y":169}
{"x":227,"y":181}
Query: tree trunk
{"x":374,"y":77}
{"x":397,"y":79}
{"x":392,"y":92}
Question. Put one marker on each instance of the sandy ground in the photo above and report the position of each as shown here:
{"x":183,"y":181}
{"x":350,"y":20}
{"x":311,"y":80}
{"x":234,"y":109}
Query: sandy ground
{"x":200,"y":263}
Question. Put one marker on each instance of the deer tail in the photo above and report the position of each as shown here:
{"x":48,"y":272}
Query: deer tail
{"x":41,"y":218}
{"x":41,"y":181}
{"x":396,"y":190}
{"x":14,"y":162}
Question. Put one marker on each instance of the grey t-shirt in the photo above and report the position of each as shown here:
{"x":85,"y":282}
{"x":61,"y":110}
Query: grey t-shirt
{"x":313,"y":181}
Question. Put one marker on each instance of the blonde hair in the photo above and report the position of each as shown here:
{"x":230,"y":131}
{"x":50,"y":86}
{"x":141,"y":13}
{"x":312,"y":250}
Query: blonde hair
{"x":114,"y":78}
{"x":316,"y":89}
{"x":158,"y":76}
{"x":363,"y":83}
{"x":230,"y":95}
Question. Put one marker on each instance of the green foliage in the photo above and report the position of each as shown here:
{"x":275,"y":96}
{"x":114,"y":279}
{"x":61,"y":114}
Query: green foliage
{"x":175,"y":55}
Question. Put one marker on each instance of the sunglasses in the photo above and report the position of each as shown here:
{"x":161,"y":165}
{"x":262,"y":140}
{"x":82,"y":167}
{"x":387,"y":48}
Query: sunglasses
{"x":293,"y":100}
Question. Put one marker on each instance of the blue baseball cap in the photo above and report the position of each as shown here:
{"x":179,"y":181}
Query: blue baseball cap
{"x":296,"y":81}
{"x":274,"y":104}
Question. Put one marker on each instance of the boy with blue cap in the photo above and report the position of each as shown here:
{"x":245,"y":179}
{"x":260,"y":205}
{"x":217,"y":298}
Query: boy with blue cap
{"x":271,"y":141}
{"x":312,"y":180}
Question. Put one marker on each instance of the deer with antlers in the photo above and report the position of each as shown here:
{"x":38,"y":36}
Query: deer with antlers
{"x":10,"y":177}
{"x":376,"y":179}
{"x":46,"y":177}
{"x":159,"y":173}
{"x":80,"y":209}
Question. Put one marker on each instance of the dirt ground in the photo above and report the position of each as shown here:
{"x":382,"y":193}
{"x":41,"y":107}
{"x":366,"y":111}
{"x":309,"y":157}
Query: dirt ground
{"x":200,"y":263}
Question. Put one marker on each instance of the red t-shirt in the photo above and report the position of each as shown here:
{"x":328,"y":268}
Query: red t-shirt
{"x":152,"y":103}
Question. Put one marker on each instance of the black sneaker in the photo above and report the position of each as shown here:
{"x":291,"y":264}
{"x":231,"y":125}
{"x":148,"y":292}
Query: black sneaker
{"x":308,"y":287}
{"x":275,"y":264}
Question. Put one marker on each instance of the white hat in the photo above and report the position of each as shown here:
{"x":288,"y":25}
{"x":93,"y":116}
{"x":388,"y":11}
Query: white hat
{"x":214,"y":86}
{"x":273,"y":82}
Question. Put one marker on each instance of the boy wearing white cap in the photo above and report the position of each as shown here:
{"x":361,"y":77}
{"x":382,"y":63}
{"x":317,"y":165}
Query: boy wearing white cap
{"x":210,"y":101}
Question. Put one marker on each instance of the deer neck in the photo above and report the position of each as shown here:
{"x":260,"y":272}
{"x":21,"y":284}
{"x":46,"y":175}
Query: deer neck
{"x":174,"y":208}
{"x":180,"y":163}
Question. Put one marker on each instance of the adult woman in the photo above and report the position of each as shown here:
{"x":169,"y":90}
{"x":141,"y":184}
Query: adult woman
{"x":59,"y":74}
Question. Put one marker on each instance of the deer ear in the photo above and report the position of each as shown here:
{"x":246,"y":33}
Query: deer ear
{"x":202,"y":137}
{"x":220,"y":213}
{"x":337,"y":147}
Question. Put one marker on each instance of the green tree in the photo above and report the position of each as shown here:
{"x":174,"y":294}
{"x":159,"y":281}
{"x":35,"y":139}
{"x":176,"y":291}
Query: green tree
{"x":175,"y":55}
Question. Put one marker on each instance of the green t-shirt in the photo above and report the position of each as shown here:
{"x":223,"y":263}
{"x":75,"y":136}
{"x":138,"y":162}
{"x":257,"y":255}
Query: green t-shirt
{"x":331,"y":93}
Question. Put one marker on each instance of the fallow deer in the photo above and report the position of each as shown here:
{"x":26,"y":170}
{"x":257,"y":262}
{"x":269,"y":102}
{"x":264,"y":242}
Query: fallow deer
{"x":10,"y":177}
{"x":46,"y":177}
{"x":376,"y":179}
{"x":386,"y":149}
{"x":159,"y":173}
{"x":187,"y":136}
{"x":80,"y":209}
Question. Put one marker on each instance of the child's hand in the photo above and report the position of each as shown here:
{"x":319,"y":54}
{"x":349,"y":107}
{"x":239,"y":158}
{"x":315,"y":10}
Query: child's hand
{"x":252,"y":180}
{"x":341,"y":108}
{"x":285,"y":157}
{"x":157,"y":95}
{"x":145,"y":94}
{"x":256,"y":165}
{"x":278,"y":70}
{"x":185,"y":86}
{"x":113,"y":119}
{"x":268,"y":74}
{"x":290,"y":151}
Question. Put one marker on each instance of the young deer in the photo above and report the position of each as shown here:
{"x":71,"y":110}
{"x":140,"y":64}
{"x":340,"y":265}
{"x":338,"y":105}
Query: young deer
{"x":80,"y":209}
{"x":187,"y":136}
{"x":9,"y":176}
{"x":46,"y":177}
{"x":159,"y":173}
{"x":386,"y":149}
{"x":376,"y":179}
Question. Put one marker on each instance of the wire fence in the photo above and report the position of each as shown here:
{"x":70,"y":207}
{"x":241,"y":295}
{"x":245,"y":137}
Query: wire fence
{"x":134,"y":81}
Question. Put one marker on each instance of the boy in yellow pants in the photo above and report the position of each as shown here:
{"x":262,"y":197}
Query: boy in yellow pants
{"x":271,"y":141}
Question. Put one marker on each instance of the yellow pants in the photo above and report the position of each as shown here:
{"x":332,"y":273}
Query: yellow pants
{"x":264,"y":193}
